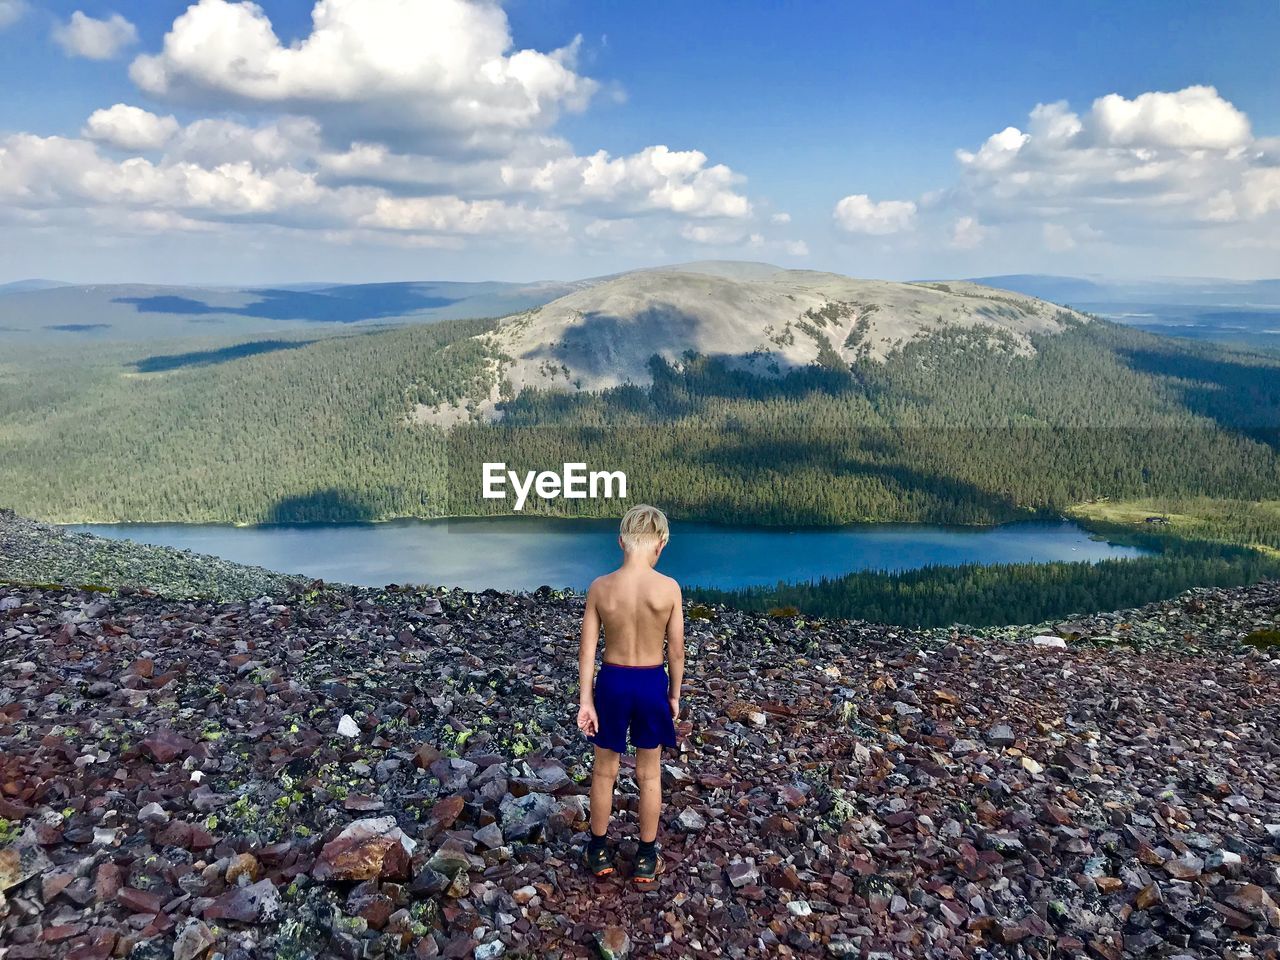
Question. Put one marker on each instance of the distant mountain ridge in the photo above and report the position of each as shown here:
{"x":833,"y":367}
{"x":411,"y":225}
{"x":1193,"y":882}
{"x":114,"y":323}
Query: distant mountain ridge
{"x":1196,"y":291}
{"x":61,"y":313}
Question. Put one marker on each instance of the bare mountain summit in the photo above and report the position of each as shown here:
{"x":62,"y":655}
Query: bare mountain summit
{"x":763,"y":319}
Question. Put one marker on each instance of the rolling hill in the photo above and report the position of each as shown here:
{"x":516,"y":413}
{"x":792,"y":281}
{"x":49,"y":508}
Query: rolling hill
{"x":727,"y":392}
{"x":759,"y":320}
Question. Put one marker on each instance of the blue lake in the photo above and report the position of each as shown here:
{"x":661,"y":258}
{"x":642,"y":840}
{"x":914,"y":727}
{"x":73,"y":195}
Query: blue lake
{"x":512,"y":553}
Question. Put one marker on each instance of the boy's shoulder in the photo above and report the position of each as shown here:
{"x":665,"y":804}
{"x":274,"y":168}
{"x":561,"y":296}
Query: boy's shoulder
{"x":669,"y":582}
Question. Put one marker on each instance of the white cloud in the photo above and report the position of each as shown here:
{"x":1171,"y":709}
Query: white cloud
{"x":130,"y":128}
{"x":11,"y":12}
{"x":455,"y":215}
{"x":656,"y":178}
{"x":967,"y":233}
{"x":858,"y":213}
{"x":1159,"y":160}
{"x":714,"y":234}
{"x":405,"y":122}
{"x":780,"y":218}
{"x":1196,"y":117}
{"x":439,"y":70}
{"x":998,"y":152}
{"x":84,"y":36}
{"x":1054,"y":123}
{"x":61,"y":173}
{"x":795,"y":248}
{"x":214,"y":141}
{"x":1157,"y":174}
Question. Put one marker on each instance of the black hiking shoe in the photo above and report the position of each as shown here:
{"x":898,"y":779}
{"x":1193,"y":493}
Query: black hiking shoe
{"x":598,"y":859}
{"x":648,"y":865}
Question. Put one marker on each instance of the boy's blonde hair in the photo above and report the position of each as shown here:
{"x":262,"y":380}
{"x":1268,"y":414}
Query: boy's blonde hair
{"x":642,"y":525}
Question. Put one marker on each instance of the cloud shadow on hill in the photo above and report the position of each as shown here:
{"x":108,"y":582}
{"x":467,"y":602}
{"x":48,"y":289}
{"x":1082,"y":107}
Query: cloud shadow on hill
{"x":162,"y":363}
{"x":1239,"y":396}
{"x":343,"y":305}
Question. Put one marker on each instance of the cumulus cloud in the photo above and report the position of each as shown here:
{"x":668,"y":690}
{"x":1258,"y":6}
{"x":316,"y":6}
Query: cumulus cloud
{"x":999,"y":150}
{"x":656,"y":178}
{"x":58,"y":172}
{"x":858,"y":213}
{"x":1196,"y":117}
{"x":435,"y":70}
{"x":780,"y":218}
{"x":409,"y":122}
{"x":454,"y":215}
{"x":85,"y":36}
{"x":213,"y":141}
{"x":130,"y":128}
{"x":1161,"y":157}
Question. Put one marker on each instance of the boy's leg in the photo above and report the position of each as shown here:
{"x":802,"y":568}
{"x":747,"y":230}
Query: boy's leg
{"x":649,"y":780}
{"x":604,"y":774}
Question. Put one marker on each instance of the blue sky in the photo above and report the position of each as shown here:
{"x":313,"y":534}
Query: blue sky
{"x":413,"y":138}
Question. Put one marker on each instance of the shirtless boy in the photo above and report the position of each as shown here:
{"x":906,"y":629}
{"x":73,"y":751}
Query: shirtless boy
{"x":638,"y":607}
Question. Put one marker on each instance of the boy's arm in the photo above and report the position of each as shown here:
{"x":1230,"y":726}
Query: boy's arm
{"x":675,"y":652}
{"x":587,"y":720}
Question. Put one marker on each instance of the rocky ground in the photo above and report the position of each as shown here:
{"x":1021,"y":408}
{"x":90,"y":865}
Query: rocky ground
{"x":356,"y":773}
{"x":32,"y":552}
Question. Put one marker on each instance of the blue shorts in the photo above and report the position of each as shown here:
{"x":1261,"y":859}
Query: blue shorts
{"x":633,"y":698}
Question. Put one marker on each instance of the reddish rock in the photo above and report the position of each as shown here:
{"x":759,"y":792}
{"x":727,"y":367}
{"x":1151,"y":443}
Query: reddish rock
{"x":106,"y":881}
{"x":62,"y":931}
{"x":426,"y":755}
{"x":138,"y":901}
{"x":175,"y":833}
{"x":444,"y":814}
{"x":1254,"y":901}
{"x":366,"y":850}
{"x":257,"y":903}
{"x":166,"y":746}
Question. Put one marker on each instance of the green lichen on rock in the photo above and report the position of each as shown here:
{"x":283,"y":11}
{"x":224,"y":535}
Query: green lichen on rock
{"x":1263,"y":639}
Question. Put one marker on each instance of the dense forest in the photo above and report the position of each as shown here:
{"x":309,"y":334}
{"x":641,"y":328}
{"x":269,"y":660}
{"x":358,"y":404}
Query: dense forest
{"x":953,"y":429}
{"x":1010,"y":593}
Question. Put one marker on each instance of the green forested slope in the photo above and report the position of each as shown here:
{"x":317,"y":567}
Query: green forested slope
{"x":294,"y":430}
{"x":947,"y":430}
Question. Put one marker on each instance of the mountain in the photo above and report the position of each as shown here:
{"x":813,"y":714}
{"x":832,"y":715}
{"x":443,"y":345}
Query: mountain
{"x":726,"y":393}
{"x":759,"y":319}
{"x":71,"y":313}
{"x":25,"y":286}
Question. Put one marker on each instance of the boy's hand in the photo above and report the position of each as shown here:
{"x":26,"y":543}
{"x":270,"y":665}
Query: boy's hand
{"x":588,"y":722}
{"x":675,"y":707}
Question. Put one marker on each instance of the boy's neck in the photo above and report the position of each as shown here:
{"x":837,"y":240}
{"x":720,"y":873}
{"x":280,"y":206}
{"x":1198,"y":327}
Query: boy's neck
{"x":635,"y":561}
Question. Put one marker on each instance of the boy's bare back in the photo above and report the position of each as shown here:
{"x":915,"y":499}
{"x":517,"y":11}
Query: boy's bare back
{"x":635,"y":606}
